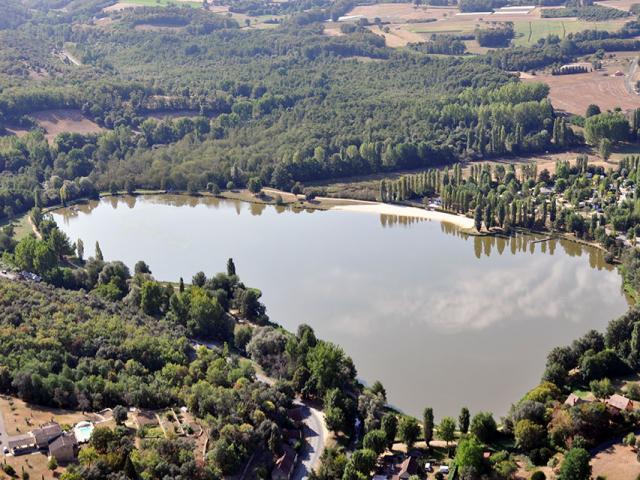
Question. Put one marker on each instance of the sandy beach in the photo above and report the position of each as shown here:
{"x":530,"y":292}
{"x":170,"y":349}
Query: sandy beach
{"x":402,"y":211}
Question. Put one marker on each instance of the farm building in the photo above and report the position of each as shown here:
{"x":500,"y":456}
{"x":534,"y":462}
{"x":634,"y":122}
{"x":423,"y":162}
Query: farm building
{"x":619,"y":403}
{"x":63,"y":449}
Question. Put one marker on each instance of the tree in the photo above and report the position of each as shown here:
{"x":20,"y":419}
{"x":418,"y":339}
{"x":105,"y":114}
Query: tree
{"x":447,"y":429}
{"x":469,"y":455}
{"x":254,"y":185}
{"x":152,"y":297}
{"x":463,"y":420}
{"x":119,"y":414}
{"x":80,"y":249}
{"x":250,"y":307}
{"x":364,"y":460}
{"x":605,"y":149}
{"x":199,"y":279}
{"x":427,"y":425}
{"x":231,"y":267}
{"x":484,"y":427}
{"x":529,"y":435}
{"x":610,"y":125}
{"x":390,"y":426}
{"x":477,"y":218}
{"x":592,"y":110}
{"x":408,"y":430}
{"x":141,"y":267}
{"x":375,"y":440}
{"x":601,"y":388}
{"x":99,"y":255}
{"x":52,"y":464}
{"x":576,"y":465}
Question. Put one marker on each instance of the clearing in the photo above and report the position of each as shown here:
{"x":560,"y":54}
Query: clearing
{"x":59,"y":121}
{"x":20,"y":417}
{"x":574,"y":93}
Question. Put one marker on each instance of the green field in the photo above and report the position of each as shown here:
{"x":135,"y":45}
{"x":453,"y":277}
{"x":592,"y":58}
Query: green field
{"x":529,"y":32}
{"x":164,"y":3}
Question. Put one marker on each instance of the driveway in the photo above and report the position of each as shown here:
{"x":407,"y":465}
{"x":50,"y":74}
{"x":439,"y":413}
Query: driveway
{"x":315,"y":437}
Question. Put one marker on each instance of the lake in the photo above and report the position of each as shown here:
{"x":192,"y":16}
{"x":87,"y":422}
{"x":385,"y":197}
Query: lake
{"x":442,"y":319}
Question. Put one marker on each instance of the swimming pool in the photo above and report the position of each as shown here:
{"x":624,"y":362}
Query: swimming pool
{"x":83,"y":431}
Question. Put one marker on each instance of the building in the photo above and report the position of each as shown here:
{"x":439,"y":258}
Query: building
{"x":46,"y":434}
{"x":619,"y":403}
{"x":22,"y":444}
{"x":36,"y":439}
{"x":285,"y":464}
{"x":63,"y":449}
{"x":407,"y":468}
{"x":573,"y":400}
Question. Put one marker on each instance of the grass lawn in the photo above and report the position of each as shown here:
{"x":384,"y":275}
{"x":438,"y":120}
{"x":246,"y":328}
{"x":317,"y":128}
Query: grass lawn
{"x":529,"y":32}
{"x":22,"y":227}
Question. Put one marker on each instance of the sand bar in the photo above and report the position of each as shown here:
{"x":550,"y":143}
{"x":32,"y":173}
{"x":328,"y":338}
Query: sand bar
{"x":402,"y":211}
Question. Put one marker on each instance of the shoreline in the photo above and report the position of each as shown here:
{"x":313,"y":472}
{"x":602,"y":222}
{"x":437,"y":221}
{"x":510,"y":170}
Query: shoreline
{"x":460,"y":221}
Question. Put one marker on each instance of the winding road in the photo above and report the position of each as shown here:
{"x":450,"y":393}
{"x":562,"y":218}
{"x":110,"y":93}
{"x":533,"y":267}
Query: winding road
{"x":315,"y":438}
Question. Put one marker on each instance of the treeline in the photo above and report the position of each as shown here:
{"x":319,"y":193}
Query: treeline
{"x":480,"y":5}
{"x":495,"y":37}
{"x":569,"y":70}
{"x":196,"y":21}
{"x":442,"y":45}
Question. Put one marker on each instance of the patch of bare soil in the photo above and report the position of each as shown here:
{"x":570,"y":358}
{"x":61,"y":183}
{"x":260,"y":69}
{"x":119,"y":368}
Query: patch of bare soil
{"x":59,"y":121}
{"x":617,"y":462}
{"x":574,"y":93}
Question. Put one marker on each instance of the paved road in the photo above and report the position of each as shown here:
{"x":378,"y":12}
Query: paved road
{"x":315,"y":438}
{"x":4,"y":436}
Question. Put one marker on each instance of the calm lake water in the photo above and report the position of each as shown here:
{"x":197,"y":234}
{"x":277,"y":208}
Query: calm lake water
{"x":442,"y":319}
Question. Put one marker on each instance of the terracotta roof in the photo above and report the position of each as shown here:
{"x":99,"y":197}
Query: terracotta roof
{"x":407,"y":468}
{"x":573,"y":400}
{"x":619,"y":402}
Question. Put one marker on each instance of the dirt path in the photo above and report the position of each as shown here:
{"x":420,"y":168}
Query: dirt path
{"x":633,"y":67}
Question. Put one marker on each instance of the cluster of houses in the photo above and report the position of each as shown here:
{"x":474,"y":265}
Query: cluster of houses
{"x":616,"y":403}
{"x":401,"y":467}
{"x":50,"y":437}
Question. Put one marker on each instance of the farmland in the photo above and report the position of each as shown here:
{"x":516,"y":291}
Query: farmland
{"x":599,"y":87}
{"x":529,"y":32}
{"x":408,"y":23}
